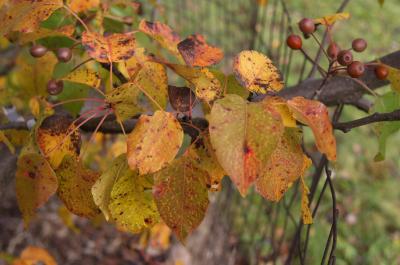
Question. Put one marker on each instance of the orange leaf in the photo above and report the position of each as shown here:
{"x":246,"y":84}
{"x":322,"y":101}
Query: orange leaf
{"x":35,"y":255}
{"x":83,"y":5}
{"x":329,"y":20}
{"x":196,"y":52}
{"x":315,"y":114}
{"x":114,"y":48}
{"x":161,"y":33}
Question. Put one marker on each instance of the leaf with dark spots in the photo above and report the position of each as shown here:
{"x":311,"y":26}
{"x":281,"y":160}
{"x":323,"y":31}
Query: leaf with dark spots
{"x":182,"y":99}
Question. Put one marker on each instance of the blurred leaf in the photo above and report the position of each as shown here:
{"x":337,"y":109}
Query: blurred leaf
{"x":4,"y":140}
{"x":331,"y":19}
{"x":41,"y":33}
{"x":81,"y":6}
{"x":394,"y":78}
{"x":84,"y":76}
{"x":32,"y":255}
{"x":66,"y":218}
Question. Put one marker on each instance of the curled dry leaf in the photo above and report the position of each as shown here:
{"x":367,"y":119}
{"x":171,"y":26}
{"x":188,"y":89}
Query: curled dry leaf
{"x":36,"y":182}
{"x":207,"y":86}
{"x":132,"y":205}
{"x":113,"y":48}
{"x":244,"y":136}
{"x":84,"y":76}
{"x":75,"y":183}
{"x":256,"y":72}
{"x":32,"y":12}
{"x":196,"y":52}
{"x":154,"y":142}
{"x":162,"y":33}
{"x":83,"y":5}
{"x":182,"y":99}
{"x":284,"y":166}
{"x":53,"y":140}
{"x":181,"y":195}
{"x":331,"y":19}
{"x":315,"y":114}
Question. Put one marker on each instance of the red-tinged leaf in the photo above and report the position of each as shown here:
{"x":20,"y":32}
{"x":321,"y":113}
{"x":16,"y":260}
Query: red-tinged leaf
{"x":75,"y":183}
{"x":181,"y":195}
{"x":154,"y":142}
{"x":161,"y":33}
{"x":244,"y":136}
{"x":284,"y":166}
{"x":113,"y":48}
{"x":36,"y":182}
{"x":315,"y":114}
{"x":196,"y":52}
{"x":26,"y":15}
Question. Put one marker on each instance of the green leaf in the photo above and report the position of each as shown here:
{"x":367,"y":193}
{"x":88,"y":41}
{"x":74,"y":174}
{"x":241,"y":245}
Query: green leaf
{"x":386,"y":103}
{"x":244,"y":135}
{"x":230,"y":84}
{"x":181,"y":195}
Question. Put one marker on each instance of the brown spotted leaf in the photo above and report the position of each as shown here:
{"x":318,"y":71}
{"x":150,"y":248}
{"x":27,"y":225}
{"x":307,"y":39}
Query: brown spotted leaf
{"x":53,"y":139}
{"x":256,"y":72}
{"x":206,"y":86}
{"x":244,"y":136}
{"x":135,"y":63}
{"x":26,"y":15}
{"x":75,"y":183}
{"x":315,"y":114}
{"x":36,"y":182}
{"x":284,"y":166}
{"x":113,"y":48}
{"x":132,"y":205}
{"x":182,"y":99}
{"x":154,"y":142}
{"x":196,"y":52}
{"x":181,"y":195}
{"x":162,"y":33}
{"x":84,"y":76}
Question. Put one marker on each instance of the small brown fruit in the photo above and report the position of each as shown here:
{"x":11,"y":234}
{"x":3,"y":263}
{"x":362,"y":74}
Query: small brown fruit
{"x":64,"y":54}
{"x":359,"y":45}
{"x":356,"y":69}
{"x":307,"y":26}
{"x":294,"y":42}
{"x":55,"y":87}
{"x":381,"y":72}
{"x":38,"y":51}
{"x":345,"y":58}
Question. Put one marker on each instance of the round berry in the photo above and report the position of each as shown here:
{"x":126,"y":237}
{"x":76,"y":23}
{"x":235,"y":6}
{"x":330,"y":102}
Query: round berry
{"x":359,"y":45}
{"x":345,"y":58}
{"x":381,"y":72}
{"x":307,"y":26}
{"x":38,"y":51}
{"x":294,"y":42}
{"x":333,"y":50}
{"x":356,"y":69}
{"x":64,"y":54}
{"x":55,"y":87}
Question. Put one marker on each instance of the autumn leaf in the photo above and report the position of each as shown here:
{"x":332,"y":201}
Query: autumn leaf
{"x":4,"y":140}
{"x":41,"y":33}
{"x":162,"y":33}
{"x":279,"y":105}
{"x":113,"y":48}
{"x":26,"y":15}
{"x":244,"y":136}
{"x":32,"y":255}
{"x":82,"y":5}
{"x":75,"y":183}
{"x":284,"y":166}
{"x":305,"y":209}
{"x":36,"y":182}
{"x":132,"y":205}
{"x":331,"y":19}
{"x":101,"y":190}
{"x":181,"y":195}
{"x":230,"y":84}
{"x":182,"y":99}
{"x":315,"y":114}
{"x":84,"y":76}
{"x":135,"y":63}
{"x":206,"y":86}
{"x":53,"y":139}
{"x":154,"y":142}
{"x":394,"y":78}
{"x":196,"y":52}
{"x":256,"y":72}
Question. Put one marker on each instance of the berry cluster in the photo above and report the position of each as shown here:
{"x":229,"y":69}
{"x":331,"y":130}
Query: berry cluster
{"x":342,"y":59}
{"x":64,"y":55}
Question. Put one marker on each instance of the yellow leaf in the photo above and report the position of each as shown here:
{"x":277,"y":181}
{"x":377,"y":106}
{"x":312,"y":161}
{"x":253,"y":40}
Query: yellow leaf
{"x":244,"y":136}
{"x":4,"y":139}
{"x":84,"y":76}
{"x":34,"y":106}
{"x":17,"y":137}
{"x":75,"y":183}
{"x":113,"y":48}
{"x":207,"y":86}
{"x":305,"y":210}
{"x":279,"y":104}
{"x":196,"y":52}
{"x":53,"y":139}
{"x":36,"y":182}
{"x":66,"y":218}
{"x":331,"y":19}
{"x":315,"y":114}
{"x":256,"y":72}
{"x":284,"y":166}
{"x":181,"y":195}
{"x":154,"y":142}
{"x":160,"y":235}
{"x":35,"y":255}
{"x":161,"y":33}
{"x":135,"y":63}
{"x":40,"y":33}
{"x":26,"y":15}
{"x":83,"y":5}
{"x":394,"y":78}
